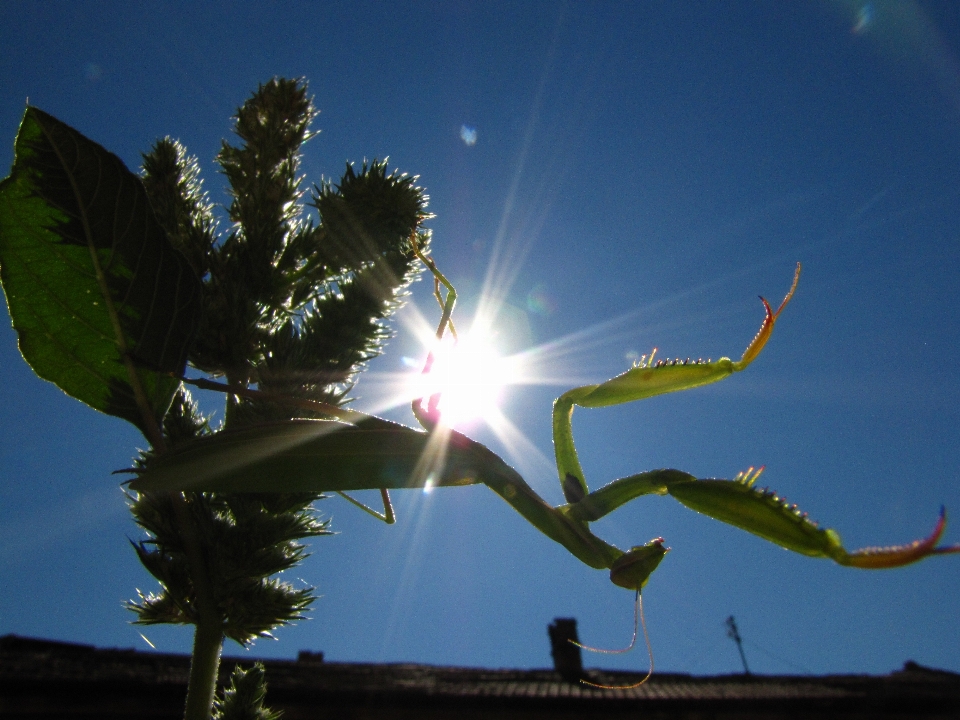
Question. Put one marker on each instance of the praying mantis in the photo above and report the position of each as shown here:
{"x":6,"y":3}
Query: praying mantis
{"x":356,"y":451}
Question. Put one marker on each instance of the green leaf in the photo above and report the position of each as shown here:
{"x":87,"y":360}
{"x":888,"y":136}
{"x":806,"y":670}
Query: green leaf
{"x":98,"y":296}
{"x":320,"y":456}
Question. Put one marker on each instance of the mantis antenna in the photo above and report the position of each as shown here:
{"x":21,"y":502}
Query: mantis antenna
{"x":637,"y":613}
{"x":633,"y":640}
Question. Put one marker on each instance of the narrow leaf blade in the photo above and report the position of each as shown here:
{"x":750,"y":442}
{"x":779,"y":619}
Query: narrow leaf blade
{"x":321,"y":456}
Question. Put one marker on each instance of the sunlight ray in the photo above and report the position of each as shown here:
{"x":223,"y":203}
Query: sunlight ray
{"x":406,"y":552}
{"x":505,"y":261}
{"x":530,"y":461}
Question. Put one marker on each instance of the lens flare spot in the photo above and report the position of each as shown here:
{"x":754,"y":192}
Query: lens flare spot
{"x":468,"y":134}
{"x":540,"y":302}
{"x":864,"y":19}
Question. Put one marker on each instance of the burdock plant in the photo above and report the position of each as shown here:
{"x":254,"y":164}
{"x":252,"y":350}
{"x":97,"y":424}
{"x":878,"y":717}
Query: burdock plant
{"x":121,"y":285}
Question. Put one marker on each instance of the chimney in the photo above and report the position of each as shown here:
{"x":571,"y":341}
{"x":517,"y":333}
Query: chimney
{"x":308,"y":656}
{"x":566,"y":655}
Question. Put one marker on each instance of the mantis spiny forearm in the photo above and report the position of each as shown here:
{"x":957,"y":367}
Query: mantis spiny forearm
{"x":646,"y":379}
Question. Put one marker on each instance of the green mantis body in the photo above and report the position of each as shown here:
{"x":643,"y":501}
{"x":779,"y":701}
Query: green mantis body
{"x":360,"y":451}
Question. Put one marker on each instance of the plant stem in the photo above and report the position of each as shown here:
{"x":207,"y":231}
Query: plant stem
{"x":208,"y":637}
{"x":204,"y":666}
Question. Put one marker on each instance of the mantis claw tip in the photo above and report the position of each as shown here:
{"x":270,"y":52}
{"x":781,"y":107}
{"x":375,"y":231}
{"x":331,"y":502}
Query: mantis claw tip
{"x":766,"y":327}
{"x":899,"y":555}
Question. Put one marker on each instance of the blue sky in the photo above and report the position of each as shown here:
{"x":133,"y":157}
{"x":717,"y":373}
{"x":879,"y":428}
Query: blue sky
{"x":640,"y":173}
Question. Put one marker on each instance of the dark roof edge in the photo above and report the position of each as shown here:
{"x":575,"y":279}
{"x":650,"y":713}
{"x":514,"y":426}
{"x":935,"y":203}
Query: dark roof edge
{"x":19,"y":643}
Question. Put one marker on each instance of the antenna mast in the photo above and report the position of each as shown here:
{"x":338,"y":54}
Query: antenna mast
{"x":732,"y":632}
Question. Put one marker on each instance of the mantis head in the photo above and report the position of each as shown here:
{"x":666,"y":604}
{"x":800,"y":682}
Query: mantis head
{"x":632,"y":569}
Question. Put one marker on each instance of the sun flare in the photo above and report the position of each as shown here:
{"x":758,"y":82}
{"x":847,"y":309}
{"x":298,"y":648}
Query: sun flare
{"x":469,"y":375}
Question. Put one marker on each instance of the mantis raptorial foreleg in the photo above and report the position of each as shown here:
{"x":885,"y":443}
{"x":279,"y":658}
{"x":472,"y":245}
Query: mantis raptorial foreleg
{"x":446,"y":304}
{"x":646,"y":379}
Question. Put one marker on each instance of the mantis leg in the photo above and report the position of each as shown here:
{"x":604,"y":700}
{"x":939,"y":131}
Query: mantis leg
{"x":386,"y":516}
{"x":446,"y":305}
{"x":567,"y":529}
{"x":289,"y":400}
{"x":646,"y":379}
{"x":429,"y":416}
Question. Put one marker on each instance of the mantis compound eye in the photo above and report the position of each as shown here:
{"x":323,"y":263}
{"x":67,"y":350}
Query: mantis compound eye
{"x":573,"y":488}
{"x":632,"y":569}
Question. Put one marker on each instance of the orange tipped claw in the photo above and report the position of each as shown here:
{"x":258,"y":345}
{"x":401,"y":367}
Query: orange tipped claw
{"x":766,"y":328}
{"x":890,"y":557}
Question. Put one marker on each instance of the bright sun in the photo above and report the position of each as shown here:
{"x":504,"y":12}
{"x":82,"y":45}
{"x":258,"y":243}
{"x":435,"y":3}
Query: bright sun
{"x":469,"y":375}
